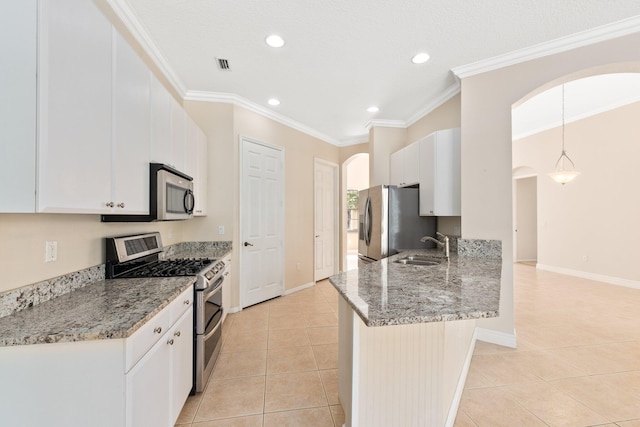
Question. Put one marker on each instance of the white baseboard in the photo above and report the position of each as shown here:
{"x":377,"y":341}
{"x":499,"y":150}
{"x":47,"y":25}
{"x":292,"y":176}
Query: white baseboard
{"x":525,"y":260}
{"x":496,"y":337}
{"x":591,"y":276}
{"x":234,"y":310}
{"x":299,"y":288}
{"x":455,"y":403}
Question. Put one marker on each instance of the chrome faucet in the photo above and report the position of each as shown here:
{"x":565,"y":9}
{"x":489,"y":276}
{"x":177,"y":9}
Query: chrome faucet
{"x":442,"y":241}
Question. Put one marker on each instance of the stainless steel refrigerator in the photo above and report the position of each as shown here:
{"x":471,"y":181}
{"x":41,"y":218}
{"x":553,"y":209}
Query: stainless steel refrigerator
{"x":388,"y":220}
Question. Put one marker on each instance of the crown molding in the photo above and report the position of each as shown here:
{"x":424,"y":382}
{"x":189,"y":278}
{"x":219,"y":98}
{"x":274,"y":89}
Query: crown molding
{"x":354,"y":141}
{"x":130,"y":20}
{"x":584,"y":38}
{"x":385,"y":123}
{"x":448,"y":93}
{"x":230,"y":98}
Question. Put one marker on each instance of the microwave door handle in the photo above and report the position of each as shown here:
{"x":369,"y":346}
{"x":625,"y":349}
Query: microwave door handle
{"x":189,"y":201}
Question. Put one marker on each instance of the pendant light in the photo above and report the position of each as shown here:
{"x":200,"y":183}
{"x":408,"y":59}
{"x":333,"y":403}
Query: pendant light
{"x":564,"y":171}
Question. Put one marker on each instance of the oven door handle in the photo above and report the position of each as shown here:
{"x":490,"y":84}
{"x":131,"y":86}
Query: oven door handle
{"x":215,"y":288}
{"x":213,"y":331}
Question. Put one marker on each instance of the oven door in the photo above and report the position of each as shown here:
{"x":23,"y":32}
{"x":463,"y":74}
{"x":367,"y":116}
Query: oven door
{"x":208,"y":332}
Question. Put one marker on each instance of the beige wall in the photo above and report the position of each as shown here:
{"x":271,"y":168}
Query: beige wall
{"x":383,"y":141}
{"x":486,"y":142}
{"x":80,"y":244}
{"x":224,"y":124}
{"x":446,"y":116}
{"x":596,"y":215}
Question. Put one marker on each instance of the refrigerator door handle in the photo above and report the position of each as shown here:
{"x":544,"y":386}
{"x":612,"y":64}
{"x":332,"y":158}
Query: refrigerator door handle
{"x":368,"y":221}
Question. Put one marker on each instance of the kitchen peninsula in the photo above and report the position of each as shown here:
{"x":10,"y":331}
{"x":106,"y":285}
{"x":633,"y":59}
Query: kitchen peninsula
{"x":406,"y":333}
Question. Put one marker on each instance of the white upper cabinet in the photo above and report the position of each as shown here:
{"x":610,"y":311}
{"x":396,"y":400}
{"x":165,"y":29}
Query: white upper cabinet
{"x":404,"y":167}
{"x":18,"y":41}
{"x":440,"y":174}
{"x":203,"y":175}
{"x":131,"y":131}
{"x":74,"y":141}
{"x":197,"y":165}
{"x":160,"y":122}
{"x":81,"y":115}
{"x":178,"y":136}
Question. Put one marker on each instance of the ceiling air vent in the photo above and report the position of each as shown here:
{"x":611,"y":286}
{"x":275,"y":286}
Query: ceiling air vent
{"x":223,"y":64}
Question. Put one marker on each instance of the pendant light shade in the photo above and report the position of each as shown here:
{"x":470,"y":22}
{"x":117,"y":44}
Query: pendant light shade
{"x":564,"y":171}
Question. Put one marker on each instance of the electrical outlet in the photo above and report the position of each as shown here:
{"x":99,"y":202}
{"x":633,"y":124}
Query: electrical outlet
{"x":298,"y":266}
{"x":456,"y":230}
{"x":221,"y":229}
{"x":585,"y":258}
{"x":51,"y":251}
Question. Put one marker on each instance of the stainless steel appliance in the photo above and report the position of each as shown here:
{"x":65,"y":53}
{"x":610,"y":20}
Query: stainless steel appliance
{"x":170,"y":197}
{"x":389,"y":220}
{"x":138,"y":256}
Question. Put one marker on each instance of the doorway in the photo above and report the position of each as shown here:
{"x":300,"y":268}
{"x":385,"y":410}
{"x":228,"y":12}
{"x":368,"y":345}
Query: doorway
{"x":526,"y":219}
{"x":325,"y":219}
{"x":355,"y":178}
{"x":261,"y":222}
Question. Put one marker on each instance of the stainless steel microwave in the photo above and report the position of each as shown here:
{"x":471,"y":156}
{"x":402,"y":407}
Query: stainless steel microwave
{"x":170,"y":197}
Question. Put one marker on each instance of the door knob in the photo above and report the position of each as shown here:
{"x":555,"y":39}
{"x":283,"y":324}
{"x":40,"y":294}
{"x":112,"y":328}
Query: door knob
{"x":248,"y":244}
{"x":317,"y":235}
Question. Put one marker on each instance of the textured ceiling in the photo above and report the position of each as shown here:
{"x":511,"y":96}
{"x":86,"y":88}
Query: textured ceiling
{"x":342,"y":56}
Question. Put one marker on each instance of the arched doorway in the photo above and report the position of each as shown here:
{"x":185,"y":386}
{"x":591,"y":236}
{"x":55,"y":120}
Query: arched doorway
{"x":599,"y":127}
{"x":355,"y":178}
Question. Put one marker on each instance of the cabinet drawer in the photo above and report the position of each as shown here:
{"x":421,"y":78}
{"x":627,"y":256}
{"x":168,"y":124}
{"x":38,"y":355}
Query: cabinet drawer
{"x":145,"y":337}
{"x":181,"y":304}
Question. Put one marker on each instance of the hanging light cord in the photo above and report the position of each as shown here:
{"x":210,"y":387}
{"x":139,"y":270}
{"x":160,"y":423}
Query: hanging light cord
{"x":564,"y":153}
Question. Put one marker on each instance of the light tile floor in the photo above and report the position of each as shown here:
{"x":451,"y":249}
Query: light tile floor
{"x":577,"y":362}
{"x":278,"y":366}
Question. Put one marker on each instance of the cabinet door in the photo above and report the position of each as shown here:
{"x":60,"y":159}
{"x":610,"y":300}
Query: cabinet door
{"x":427,"y":174}
{"x":396,"y":166}
{"x":178,"y":136}
{"x":181,"y":363}
{"x":74,"y":147}
{"x":160,"y":122}
{"x":203,"y":173}
{"x":18,"y":30}
{"x":131,"y":130}
{"x":411,"y":164}
{"x":148,"y":401}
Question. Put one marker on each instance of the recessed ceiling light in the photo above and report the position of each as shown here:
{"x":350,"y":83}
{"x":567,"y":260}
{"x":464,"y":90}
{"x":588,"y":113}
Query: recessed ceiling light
{"x":274,"y":40}
{"x":420,"y":58}
{"x":373,"y":109}
{"x":274,"y":101}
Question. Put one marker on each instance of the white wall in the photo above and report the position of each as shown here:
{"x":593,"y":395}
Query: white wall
{"x":591,"y":224}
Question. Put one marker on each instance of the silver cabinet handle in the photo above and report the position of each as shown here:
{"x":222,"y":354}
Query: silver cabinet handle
{"x":187,"y":302}
{"x":170,"y":342}
{"x":176,"y":334}
{"x":121,"y":205}
{"x":157,"y":330}
{"x":248,"y":244}
{"x":110,"y":204}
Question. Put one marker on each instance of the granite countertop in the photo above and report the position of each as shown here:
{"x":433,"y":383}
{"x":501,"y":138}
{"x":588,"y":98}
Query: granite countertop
{"x":196,"y":250}
{"x":387,"y":293}
{"x":106,"y":309}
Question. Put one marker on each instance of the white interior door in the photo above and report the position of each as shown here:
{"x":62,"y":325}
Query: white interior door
{"x":526,"y":221}
{"x":261,"y":222}
{"x":325,"y":218}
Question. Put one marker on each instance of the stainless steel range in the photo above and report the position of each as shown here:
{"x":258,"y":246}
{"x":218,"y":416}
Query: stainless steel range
{"x":139,"y":256}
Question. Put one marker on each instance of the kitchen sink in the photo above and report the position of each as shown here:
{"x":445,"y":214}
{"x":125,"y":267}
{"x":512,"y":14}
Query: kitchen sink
{"x":419,"y":260}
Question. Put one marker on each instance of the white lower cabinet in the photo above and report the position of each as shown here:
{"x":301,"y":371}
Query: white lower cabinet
{"x":158,"y":385}
{"x":143,"y":380}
